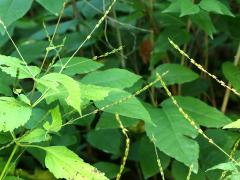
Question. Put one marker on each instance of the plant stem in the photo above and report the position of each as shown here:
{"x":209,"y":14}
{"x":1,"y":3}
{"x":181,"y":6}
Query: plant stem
{"x":189,"y":24}
{"x":227,"y":92}
{"x":119,"y":39}
{"x":8,"y":162}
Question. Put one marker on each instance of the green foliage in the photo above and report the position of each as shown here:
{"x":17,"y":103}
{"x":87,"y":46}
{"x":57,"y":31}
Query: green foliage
{"x":78,"y":65}
{"x":58,"y":84}
{"x":131,"y":108}
{"x":115,"y":78}
{"x":54,"y":8}
{"x":202,"y":113}
{"x":10,"y":109}
{"x":176,"y":74}
{"x":35,"y":136}
{"x":83,"y":90}
{"x":8,"y":11}
{"x":232,"y":74}
{"x":63,"y":163}
{"x":17,"y":68}
{"x":56,"y":123}
{"x":172,"y":129}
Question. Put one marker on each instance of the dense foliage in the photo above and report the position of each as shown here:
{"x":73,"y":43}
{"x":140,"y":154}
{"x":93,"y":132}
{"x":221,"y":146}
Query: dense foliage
{"x":104,"y":89}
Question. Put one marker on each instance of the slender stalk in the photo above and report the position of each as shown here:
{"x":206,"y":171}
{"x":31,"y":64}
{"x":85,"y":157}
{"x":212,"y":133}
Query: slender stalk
{"x":8,"y":162}
{"x":227,"y":92}
{"x":119,"y":39}
{"x":189,"y":24}
{"x":89,"y":35}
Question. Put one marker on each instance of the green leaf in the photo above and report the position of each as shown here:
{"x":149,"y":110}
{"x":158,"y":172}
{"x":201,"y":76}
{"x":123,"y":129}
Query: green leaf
{"x":77,"y":65}
{"x":12,"y":65}
{"x":35,"y":136}
{"x":215,"y":6}
{"x":235,"y":124}
{"x":132,"y":108}
{"x":5,"y":81}
{"x":232,"y":74}
{"x":110,"y":169}
{"x":180,"y":172}
{"x":210,"y":155}
{"x":115,"y":78}
{"x":176,"y":74}
{"x":200,"y":112}
{"x":204,"y":22}
{"x":12,"y":10}
{"x":94,"y":93}
{"x":56,"y":124}
{"x":64,"y":163}
{"x":5,"y":138}
{"x":228,"y":166}
{"x":13,"y":113}
{"x":24,"y":99}
{"x":63,"y":27}
{"x":148,"y":158}
{"x":185,"y":7}
{"x":35,"y":121}
{"x":173,"y":130}
{"x":31,"y":50}
{"x":53,"y":7}
{"x":56,"y":82}
{"x":100,"y":139}
{"x":108,"y":121}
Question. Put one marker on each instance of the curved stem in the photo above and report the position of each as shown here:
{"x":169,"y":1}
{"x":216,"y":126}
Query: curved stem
{"x":227,"y":92}
{"x":8,"y":162}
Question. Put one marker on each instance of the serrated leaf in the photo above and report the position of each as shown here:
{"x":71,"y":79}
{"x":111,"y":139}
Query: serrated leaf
{"x":77,"y":65}
{"x":35,"y":136}
{"x":232,"y":73}
{"x":16,"y":67}
{"x":52,"y":6}
{"x":115,"y":78}
{"x":12,"y":10}
{"x":199,"y":111}
{"x":176,"y":74}
{"x":64,"y":163}
{"x":57,"y":82}
{"x":184,"y":7}
{"x":13,"y":113}
{"x":56,"y":123}
{"x":132,"y":108}
{"x":215,"y":6}
{"x":173,"y":130}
